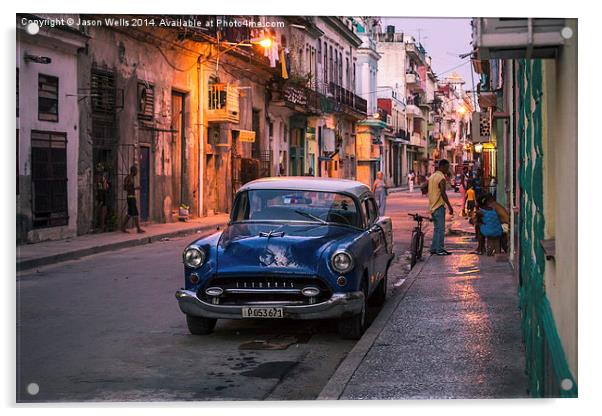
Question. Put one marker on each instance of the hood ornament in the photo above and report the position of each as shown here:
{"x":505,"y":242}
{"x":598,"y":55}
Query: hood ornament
{"x":272,"y":233}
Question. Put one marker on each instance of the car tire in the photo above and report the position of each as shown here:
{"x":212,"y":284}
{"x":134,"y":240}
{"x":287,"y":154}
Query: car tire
{"x":380,"y":294}
{"x":354,"y":326}
{"x":200,"y":326}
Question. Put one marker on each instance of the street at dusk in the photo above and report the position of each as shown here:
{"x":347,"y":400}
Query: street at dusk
{"x":295,"y":208}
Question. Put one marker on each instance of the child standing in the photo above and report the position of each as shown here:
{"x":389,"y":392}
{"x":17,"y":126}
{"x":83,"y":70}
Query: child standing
{"x":469,"y":200}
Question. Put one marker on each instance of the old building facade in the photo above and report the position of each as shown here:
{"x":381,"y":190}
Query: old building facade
{"x":48,"y":131}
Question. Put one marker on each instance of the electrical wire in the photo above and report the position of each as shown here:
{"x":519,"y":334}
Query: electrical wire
{"x":455,"y":67}
{"x":172,"y":65}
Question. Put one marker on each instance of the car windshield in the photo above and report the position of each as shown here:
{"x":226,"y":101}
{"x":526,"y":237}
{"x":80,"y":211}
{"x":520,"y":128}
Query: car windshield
{"x":287,"y":205}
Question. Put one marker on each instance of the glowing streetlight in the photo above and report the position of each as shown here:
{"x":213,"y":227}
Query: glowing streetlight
{"x":266,"y":43}
{"x":461,"y":110}
{"x":478,"y":147}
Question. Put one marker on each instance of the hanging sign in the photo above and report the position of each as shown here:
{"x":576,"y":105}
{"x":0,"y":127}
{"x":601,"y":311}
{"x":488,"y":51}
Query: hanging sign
{"x":246,"y":136}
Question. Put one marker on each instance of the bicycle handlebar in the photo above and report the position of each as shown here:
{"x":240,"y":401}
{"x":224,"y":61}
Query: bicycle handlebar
{"x":418,"y":217}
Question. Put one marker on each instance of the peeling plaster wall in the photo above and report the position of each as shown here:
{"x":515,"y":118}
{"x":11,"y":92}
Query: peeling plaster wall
{"x":132,"y":60}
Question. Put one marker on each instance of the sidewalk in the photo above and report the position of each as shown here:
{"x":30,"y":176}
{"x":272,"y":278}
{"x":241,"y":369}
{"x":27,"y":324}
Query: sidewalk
{"x":452,"y":332}
{"x":30,"y":256}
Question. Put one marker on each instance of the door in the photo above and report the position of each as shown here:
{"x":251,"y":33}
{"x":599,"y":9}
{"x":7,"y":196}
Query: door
{"x":178,"y":149}
{"x":379,"y":245}
{"x":144,"y":182}
{"x":297,"y":153}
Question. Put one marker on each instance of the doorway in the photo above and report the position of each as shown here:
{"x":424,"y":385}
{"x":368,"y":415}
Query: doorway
{"x":144,"y":182}
{"x":178,"y":148}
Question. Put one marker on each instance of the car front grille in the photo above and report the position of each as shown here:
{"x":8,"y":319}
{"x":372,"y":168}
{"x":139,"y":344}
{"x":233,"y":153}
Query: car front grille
{"x":268,"y":289}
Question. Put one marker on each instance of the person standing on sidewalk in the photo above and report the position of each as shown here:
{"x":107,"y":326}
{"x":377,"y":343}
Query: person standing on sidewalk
{"x":130,"y":187}
{"x":380,"y":193}
{"x":411,"y":180}
{"x":437,"y":201}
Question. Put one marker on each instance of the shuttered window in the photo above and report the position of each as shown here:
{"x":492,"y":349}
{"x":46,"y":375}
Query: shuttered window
{"x":49,"y":179}
{"x":48,"y":98}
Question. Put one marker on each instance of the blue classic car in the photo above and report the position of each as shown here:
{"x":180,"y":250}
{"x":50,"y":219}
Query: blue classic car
{"x":297,"y":247}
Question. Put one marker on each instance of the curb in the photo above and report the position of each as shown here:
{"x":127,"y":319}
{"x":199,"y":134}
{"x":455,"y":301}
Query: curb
{"x":345,"y":371}
{"x":79,"y":253}
{"x":397,"y":190}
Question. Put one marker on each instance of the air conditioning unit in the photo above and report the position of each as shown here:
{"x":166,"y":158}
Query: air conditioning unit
{"x":146,"y":101}
{"x":512,"y":38}
{"x":222,"y":104}
{"x":481,"y":126}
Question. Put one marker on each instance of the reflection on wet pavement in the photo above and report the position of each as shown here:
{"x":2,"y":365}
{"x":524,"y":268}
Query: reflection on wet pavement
{"x":456,"y":333}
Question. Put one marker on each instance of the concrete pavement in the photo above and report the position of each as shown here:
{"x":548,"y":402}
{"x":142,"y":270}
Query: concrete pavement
{"x":30,"y":256}
{"x":453,"y":331}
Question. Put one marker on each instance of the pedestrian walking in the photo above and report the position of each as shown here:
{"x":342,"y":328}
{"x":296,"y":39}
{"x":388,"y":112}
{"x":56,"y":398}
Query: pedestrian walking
{"x":411,"y":177}
{"x":437,"y":201}
{"x":102,"y":186}
{"x":469,"y":200}
{"x":130,"y":187}
{"x":380,"y":193}
{"x":463,"y":186}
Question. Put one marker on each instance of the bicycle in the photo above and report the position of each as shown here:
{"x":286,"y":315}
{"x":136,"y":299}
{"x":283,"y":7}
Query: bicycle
{"x":417,"y":241}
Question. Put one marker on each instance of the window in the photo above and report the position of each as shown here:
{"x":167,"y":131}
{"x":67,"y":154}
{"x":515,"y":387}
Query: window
{"x":103,"y":99}
{"x":319,"y":52}
{"x":17,"y":92}
{"x":325,"y":63}
{"x":48,"y":98}
{"x":146,"y":101}
{"x":335,"y":79}
{"x":49,"y":179}
{"x":372,"y":210}
{"x":331,"y":77}
{"x":278,"y":205}
{"x":340,"y":69}
{"x":347,"y":74}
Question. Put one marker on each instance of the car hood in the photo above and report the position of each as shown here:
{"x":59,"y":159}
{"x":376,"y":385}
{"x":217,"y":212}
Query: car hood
{"x":248,"y":248}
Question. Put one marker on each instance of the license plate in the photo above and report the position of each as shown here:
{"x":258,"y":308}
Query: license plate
{"x":262,"y":313}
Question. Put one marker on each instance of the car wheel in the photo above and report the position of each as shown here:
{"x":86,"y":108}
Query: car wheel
{"x":200,"y":326}
{"x":380,"y":294}
{"x":354,"y":326}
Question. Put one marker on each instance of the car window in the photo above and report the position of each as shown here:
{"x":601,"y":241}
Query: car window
{"x":372,"y":210}
{"x":293,"y":205}
{"x":365,"y":219}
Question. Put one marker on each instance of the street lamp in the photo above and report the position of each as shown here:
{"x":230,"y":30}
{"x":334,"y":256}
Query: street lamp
{"x":478,"y":147}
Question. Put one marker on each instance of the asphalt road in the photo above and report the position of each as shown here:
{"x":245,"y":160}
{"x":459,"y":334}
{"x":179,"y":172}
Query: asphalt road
{"x":108,"y":328}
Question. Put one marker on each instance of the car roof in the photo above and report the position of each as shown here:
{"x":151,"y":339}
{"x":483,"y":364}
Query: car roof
{"x":308,"y":183}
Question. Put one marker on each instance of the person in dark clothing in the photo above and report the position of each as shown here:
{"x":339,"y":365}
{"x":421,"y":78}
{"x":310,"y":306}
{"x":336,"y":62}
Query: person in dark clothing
{"x":130,"y":187}
{"x":102,"y":186}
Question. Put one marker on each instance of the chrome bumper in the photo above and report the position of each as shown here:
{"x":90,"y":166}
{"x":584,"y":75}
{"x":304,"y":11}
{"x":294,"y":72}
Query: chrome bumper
{"x":338,"y":306}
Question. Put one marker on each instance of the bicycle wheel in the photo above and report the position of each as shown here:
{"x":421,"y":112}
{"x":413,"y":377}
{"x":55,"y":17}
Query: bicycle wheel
{"x":420,"y":246}
{"x":414,"y":246}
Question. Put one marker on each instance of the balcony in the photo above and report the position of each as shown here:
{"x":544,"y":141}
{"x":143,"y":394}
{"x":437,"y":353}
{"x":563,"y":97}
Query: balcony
{"x":222,"y":104}
{"x":513,"y":38}
{"x":416,"y":51}
{"x":414,"y":111}
{"x":416,"y":140}
{"x":295,"y":95}
{"x":414,"y":83}
{"x":348,"y":99}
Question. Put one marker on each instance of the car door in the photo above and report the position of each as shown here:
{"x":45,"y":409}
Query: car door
{"x":377,"y":235}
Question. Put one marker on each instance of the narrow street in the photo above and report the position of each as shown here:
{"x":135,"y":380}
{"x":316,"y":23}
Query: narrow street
{"x":107,"y":327}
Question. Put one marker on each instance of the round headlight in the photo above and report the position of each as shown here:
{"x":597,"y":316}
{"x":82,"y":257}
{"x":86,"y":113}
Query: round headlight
{"x":194,"y":257}
{"x":342,"y":261}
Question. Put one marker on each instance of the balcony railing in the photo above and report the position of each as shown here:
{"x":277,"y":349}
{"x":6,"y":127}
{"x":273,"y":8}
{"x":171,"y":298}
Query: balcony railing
{"x":348,"y":98}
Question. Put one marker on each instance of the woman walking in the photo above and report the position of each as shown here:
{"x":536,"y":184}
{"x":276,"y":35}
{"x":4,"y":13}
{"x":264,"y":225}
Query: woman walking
{"x":380,"y":193}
